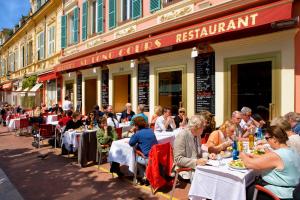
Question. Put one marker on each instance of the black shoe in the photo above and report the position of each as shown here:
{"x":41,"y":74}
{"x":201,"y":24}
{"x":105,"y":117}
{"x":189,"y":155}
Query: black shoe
{"x":147,"y":182}
{"x":120,"y":174}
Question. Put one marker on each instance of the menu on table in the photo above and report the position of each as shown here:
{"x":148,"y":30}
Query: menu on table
{"x":205,"y":83}
{"x":104,"y":87}
{"x":143,"y":85}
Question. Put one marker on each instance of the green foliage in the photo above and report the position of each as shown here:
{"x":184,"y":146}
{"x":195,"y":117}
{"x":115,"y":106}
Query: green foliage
{"x":29,"y":82}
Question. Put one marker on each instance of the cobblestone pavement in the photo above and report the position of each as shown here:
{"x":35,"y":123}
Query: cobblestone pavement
{"x":58,"y":177}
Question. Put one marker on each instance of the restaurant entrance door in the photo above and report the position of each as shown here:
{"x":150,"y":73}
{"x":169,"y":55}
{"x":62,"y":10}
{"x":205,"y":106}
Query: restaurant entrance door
{"x":251,"y":86}
{"x":90,"y":94}
{"x":170,"y":89}
{"x":122,"y":92}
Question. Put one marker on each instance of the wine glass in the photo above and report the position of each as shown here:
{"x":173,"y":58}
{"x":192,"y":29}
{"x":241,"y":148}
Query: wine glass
{"x":220,"y":160}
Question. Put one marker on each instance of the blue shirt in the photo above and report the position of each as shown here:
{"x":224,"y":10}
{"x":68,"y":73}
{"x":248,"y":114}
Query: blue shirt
{"x":139,"y":115}
{"x":145,"y":139}
{"x":288,"y":176}
{"x":296,"y":129}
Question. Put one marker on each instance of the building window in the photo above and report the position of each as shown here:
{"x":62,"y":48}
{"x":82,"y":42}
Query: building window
{"x":51,"y":41}
{"x":72,"y":26}
{"x":40,"y":46}
{"x":93,"y":17}
{"x":29,"y":53}
{"x":11,"y":62}
{"x":23,"y":56}
{"x":126,"y":10}
{"x":16,"y":59}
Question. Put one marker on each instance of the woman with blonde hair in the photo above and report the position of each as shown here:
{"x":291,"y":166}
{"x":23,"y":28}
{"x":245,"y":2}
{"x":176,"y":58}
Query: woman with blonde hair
{"x":219,"y":140}
{"x":157,"y":113}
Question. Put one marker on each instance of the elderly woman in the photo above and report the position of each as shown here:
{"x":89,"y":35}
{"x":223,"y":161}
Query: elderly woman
{"x":294,"y":139}
{"x":281,"y":167}
{"x":294,"y":120}
{"x":181,"y":119}
{"x":187,"y":146}
{"x":127,"y":114}
{"x":219,"y":140}
{"x":143,"y":139}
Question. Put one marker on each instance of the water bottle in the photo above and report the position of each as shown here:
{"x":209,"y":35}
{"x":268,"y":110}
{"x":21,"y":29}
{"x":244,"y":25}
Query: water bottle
{"x":259,"y":134}
{"x":235,"y":154}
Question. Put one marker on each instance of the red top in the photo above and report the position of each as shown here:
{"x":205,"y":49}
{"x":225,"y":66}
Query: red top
{"x":63,"y":121}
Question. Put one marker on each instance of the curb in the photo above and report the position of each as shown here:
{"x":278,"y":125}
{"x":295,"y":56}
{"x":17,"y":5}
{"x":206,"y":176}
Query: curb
{"x":7,"y":189}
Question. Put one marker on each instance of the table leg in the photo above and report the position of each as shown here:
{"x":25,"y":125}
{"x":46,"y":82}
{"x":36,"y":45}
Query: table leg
{"x":55,"y":139}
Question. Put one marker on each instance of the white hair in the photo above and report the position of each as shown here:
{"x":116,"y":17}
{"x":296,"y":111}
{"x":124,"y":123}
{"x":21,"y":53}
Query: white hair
{"x":246,"y":110}
{"x":235,"y":113}
{"x":196,"y":121}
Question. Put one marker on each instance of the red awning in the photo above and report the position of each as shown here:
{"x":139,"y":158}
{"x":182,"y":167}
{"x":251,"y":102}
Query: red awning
{"x":48,"y":76}
{"x":7,"y":86}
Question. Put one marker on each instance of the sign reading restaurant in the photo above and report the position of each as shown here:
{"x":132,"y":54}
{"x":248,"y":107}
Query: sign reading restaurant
{"x":247,"y":19}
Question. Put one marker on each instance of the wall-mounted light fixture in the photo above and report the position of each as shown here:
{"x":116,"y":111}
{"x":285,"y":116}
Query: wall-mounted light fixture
{"x":94,"y":70}
{"x":69,"y":74}
{"x":133,"y":63}
{"x":194,"y":52}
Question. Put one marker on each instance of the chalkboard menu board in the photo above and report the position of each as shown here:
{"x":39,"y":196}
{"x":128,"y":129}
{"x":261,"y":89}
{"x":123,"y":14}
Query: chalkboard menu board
{"x":143,"y":85}
{"x":205,"y":82}
{"x":79,"y":92}
{"x":104,"y":87}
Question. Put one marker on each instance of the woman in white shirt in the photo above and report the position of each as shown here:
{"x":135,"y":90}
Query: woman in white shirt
{"x":112,"y":121}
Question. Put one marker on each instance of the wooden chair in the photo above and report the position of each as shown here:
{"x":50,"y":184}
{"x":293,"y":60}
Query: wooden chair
{"x":119,"y":133}
{"x":259,"y":188}
{"x":177,"y":171}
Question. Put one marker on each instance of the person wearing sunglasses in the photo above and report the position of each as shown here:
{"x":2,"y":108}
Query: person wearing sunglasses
{"x":91,"y":120}
{"x":181,"y":119}
{"x":280,"y":168}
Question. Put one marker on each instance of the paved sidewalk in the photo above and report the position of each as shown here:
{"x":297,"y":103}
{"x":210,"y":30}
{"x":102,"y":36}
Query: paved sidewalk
{"x":7,"y":189}
{"x":61,"y":178}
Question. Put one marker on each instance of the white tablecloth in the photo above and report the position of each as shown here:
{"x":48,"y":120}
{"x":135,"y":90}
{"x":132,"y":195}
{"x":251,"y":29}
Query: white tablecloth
{"x":51,"y":118}
{"x":14,"y":123}
{"x":121,"y":152}
{"x":219,"y":183}
{"x":125,"y":126}
{"x":70,"y":139}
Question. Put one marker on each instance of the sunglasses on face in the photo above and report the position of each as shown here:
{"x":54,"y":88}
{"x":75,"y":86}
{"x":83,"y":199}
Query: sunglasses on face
{"x":181,"y":111}
{"x":267,"y":137}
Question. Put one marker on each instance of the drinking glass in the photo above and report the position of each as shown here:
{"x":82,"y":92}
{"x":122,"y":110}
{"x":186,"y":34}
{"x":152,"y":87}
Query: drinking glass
{"x":220,"y":160}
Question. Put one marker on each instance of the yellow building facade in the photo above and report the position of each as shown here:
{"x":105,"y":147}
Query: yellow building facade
{"x":32,"y":50}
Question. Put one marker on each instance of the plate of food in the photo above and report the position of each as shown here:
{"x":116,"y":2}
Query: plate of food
{"x":225,"y":154}
{"x":258,"y":151}
{"x":237,"y":164}
{"x":229,"y":148}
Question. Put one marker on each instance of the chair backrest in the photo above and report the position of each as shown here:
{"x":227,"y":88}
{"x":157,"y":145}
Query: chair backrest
{"x":266,"y":191}
{"x":46,"y":130}
{"x":119,"y":133}
{"x":160,"y":165}
{"x":24,"y":123}
{"x":204,"y":139}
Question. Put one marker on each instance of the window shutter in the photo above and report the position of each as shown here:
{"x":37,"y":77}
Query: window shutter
{"x":75,"y":27}
{"x":63,"y":31}
{"x":136,"y":9}
{"x":42,"y":45}
{"x":100,"y":16}
{"x":112,"y":14}
{"x":84,"y":20}
{"x":154,"y":5}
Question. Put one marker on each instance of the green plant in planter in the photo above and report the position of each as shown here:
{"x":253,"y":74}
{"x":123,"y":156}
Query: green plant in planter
{"x":29,"y":82}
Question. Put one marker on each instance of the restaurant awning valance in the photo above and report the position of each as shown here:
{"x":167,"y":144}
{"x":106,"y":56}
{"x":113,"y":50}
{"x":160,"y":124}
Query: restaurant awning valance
{"x":7,"y":86}
{"x":36,"y":87}
{"x":48,"y":76}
